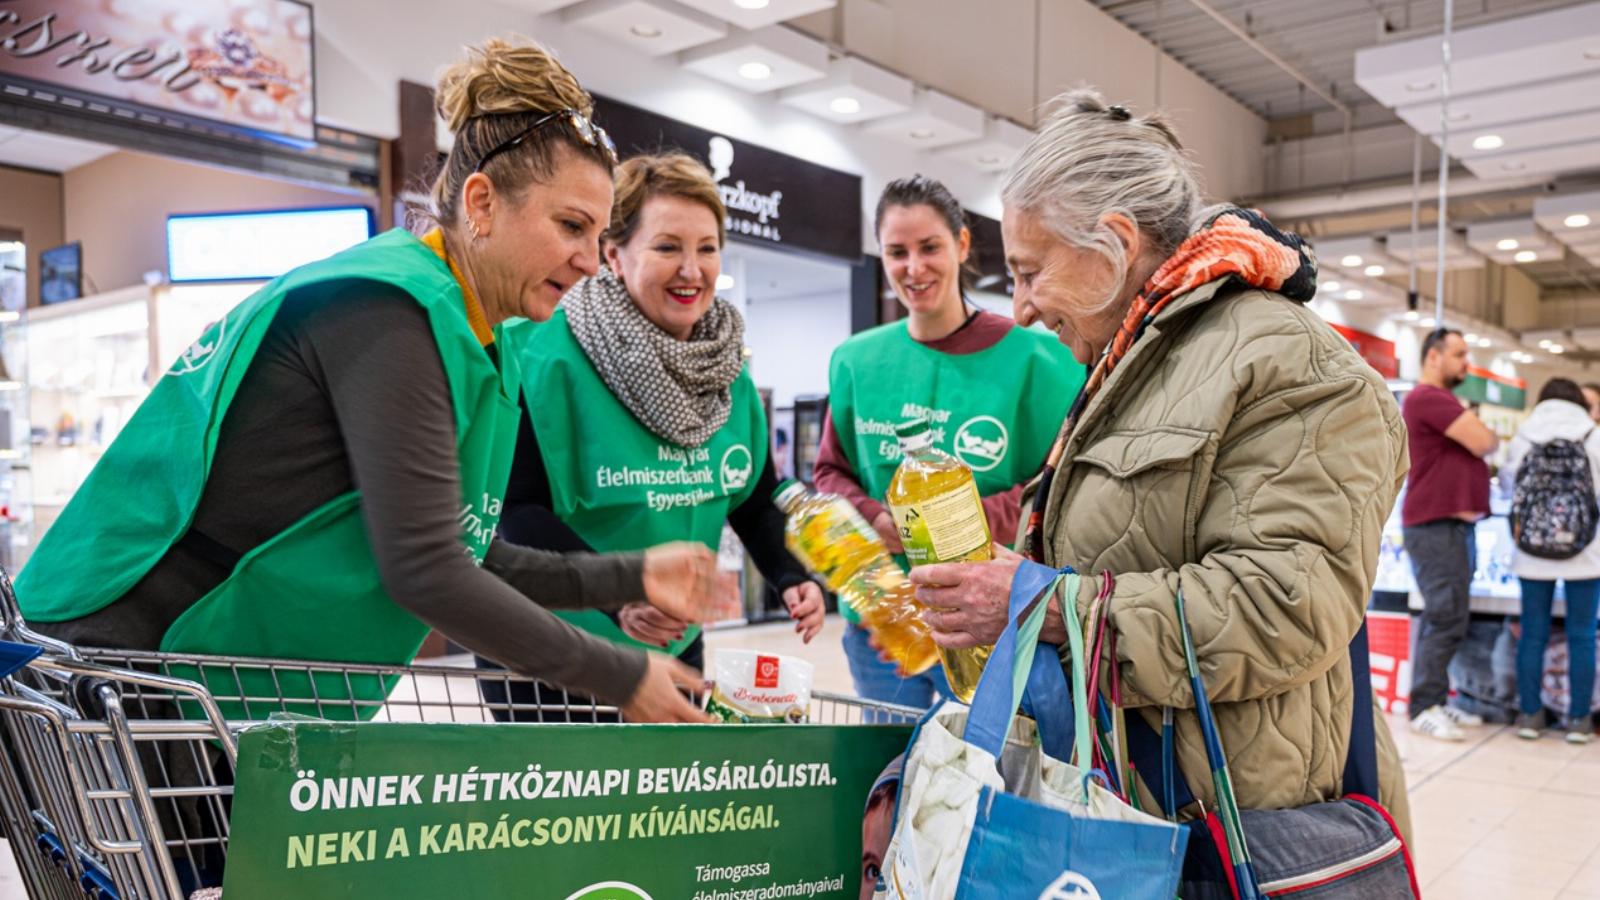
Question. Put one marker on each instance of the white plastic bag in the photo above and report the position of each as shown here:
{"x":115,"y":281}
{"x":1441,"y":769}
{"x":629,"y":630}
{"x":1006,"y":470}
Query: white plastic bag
{"x":759,"y":687}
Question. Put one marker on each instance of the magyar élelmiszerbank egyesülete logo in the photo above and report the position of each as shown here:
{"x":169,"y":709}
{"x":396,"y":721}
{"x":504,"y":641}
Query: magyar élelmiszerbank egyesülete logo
{"x":610,"y":890}
{"x":201,"y":351}
{"x":740,"y":199}
{"x":1070,"y":886}
{"x":737,"y":467}
{"x":981,"y":443}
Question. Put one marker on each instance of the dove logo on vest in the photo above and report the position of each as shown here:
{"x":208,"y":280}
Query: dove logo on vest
{"x":982,"y":442}
{"x":1070,"y":886}
{"x":201,"y":351}
{"x":737,"y":467}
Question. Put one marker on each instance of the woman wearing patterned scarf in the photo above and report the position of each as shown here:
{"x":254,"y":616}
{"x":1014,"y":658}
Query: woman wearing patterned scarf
{"x":643,"y":423}
{"x":1229,"y":445}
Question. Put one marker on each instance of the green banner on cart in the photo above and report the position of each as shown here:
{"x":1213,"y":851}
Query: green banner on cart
{"x":553,"y":812}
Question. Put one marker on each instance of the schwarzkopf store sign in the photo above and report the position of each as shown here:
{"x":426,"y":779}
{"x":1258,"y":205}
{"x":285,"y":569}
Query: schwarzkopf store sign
{"x":772,"y":198}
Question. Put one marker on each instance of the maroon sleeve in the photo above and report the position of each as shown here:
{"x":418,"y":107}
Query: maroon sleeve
{"x":1437,"y":410}
{"x":834,"y":474}
{"x":1004,"y":511}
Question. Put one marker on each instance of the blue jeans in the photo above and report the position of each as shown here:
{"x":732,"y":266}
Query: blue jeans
{"x":877,"y":680}
{"x":1582,"y":599}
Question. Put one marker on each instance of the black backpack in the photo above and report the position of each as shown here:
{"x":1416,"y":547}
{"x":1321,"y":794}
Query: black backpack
{"x":1553,"y":511}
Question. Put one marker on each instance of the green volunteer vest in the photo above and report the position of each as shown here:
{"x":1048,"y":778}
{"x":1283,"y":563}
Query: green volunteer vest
{"x":997,"y":410}
{"x":311,"y":592}
{"x":613,"y":481}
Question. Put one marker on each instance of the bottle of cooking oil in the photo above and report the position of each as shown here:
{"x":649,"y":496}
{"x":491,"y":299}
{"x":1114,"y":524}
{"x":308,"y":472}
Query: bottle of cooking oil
{"x":831,"y":539}
{"x":935,"y":504}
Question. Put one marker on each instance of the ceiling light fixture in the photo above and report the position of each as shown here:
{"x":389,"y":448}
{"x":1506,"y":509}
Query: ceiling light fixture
{"x":645,"y":31}
{"x":1374,"y":271}
{"x":1592,"y":54}
{"x":1417,"y":87}
{"x":1410,"y":316}
{"x":1470,"y":338}
{"x":752,"y":4}
{"x":988,"y":159}
{"x":1353,"y":294}
{"x":1459,"y":116}
{"x":1488,"y":142}
{"x":1526,"y":256}
{"x":845,"y":106}
{"x":1507,"y":244}
{"x":724,"y":282}
{"x":1557,"y":349}
{"x":1428,"y":322}
{"x":1331,"y":286}
{"x":1576,"y":220}
{"x":1546,"y":344}
{"x":1485,"y":343}
{"x":755,"y":71}
{"x":1350,"y":262}
{"x":920,"y":134}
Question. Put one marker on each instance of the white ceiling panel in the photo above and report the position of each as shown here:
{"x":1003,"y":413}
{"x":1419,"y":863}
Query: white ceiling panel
{"x":1535,"y":48}
{"x":853,"y":91}
{"x":652,"y":27}
{"x":1457,"y":254}
{"x":752,"y":14}
{"x":1002,"y":141}
{"x":1522,"y":103}
{"x":934,"y":120}
{"x":760,"y":61}
{"x":1501,"y":143}
{"x":1541,"y":161}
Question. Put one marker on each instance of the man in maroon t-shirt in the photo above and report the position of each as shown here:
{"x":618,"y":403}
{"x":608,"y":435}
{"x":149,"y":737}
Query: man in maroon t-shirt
{"x":1446,"y":494}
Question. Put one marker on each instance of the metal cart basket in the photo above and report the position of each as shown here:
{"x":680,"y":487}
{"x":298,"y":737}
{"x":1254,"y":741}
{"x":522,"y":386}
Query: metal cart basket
{"x":117,"y":770}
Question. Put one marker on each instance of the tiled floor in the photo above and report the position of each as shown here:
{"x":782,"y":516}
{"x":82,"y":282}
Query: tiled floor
{"x":1494,"y":817}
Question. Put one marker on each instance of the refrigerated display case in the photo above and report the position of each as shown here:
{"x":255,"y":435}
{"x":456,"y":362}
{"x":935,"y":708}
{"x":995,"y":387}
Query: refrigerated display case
{"x":92,"y":362}
{"x":809,"y":413}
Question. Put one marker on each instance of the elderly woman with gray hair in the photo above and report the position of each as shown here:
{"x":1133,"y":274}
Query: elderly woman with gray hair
{"x":1229,"y":446}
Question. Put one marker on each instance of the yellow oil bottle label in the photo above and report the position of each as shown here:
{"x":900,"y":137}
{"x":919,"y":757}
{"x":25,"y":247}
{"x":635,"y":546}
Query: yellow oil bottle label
{"x":944,"y":527}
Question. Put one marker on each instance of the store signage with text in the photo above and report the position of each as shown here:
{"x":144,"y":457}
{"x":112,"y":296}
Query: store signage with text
{"x":772,"y":198}
{"x":1379,"y":353}
{"x":1484,"y":386}
{"x":595,"y":812}
{"x":245,"y":63}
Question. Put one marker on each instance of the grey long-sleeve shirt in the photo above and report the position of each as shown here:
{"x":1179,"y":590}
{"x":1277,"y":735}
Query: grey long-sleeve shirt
{"x":347,"y":391}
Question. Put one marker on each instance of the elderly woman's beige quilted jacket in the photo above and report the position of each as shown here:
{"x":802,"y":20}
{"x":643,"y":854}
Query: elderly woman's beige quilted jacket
{"x":1244,"y":453}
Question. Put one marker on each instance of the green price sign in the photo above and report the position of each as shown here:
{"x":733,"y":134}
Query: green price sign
{"x":605,"y":812}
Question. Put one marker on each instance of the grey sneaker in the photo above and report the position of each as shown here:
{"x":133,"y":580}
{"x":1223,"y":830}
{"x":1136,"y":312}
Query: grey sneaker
{"x":1530,"y":725}
{"x":1580,"y":731}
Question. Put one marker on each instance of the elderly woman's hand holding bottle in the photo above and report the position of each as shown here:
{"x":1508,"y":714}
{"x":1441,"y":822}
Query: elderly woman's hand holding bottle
{"x":967,"y":602}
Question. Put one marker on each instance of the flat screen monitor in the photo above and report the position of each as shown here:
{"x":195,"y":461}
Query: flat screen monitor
{"x":61,"y":273}
{"x":259,"y":246}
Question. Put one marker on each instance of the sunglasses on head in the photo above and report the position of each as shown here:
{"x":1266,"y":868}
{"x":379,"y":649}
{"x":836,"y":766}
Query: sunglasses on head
{"x":585,"y":130}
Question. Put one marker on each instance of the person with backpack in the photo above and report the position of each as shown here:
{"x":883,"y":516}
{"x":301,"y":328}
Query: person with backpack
{"x":1555,"y":465}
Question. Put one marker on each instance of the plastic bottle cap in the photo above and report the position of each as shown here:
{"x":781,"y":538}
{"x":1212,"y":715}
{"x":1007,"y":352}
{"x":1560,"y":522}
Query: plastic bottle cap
{"x":788,"y":489}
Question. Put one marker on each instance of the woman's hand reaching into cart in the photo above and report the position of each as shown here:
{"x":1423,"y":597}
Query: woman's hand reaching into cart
{"x":660,"y":694}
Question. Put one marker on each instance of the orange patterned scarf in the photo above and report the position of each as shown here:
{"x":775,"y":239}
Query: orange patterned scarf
{"x":1236,"y":243}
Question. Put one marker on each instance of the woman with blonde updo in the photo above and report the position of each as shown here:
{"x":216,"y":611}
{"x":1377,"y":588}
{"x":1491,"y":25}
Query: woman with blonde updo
{"x":321,"y":475}
{"x":642,"y":371}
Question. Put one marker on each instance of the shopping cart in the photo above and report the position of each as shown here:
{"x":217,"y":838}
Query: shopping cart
{"x":117,"y":775}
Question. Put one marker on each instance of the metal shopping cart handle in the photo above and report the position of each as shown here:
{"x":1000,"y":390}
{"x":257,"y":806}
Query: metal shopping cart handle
{"x":12,"y":624}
